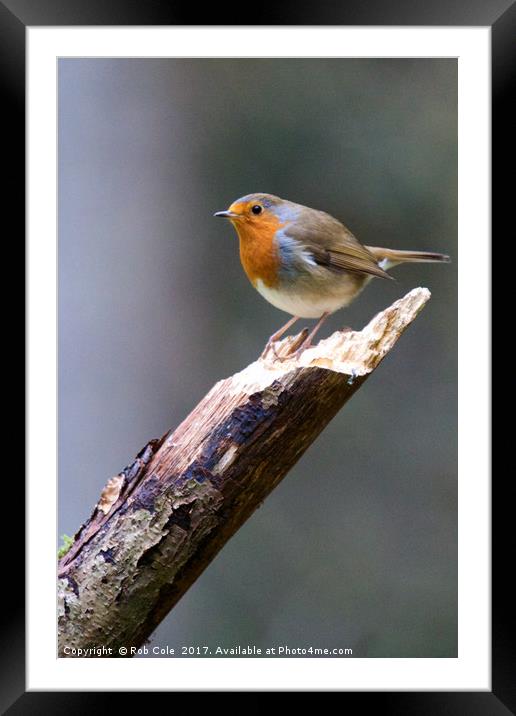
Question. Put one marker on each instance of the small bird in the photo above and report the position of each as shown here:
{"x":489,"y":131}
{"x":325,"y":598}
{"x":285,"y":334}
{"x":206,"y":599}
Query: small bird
{"x":304,"y":261}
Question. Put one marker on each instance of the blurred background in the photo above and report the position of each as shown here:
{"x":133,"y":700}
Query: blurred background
{"x":357,"y":548}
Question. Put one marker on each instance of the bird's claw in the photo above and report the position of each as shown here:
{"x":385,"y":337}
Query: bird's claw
{"x":270,"y":345}
{"x":298,"y":346}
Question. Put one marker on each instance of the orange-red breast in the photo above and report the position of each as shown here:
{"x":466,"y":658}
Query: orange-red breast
{"x":304,"y":261}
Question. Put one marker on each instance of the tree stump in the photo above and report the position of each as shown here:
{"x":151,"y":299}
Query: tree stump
{"x":160,"y":522}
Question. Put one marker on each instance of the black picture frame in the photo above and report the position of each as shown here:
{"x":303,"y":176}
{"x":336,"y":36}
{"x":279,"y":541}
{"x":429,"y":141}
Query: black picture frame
{"x":500,"y":15}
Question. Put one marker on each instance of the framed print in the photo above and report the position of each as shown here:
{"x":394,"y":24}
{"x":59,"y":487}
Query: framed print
{"x":368,"y":569}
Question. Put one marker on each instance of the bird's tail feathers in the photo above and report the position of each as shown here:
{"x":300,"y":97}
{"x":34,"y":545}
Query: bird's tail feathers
{"x":387,"y":258}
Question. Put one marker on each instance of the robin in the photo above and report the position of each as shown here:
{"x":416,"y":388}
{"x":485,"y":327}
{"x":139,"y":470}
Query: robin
{"x":304,"y":261}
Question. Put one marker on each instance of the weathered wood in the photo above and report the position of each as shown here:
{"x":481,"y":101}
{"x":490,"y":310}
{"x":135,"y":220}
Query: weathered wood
{"x":160,"y":522}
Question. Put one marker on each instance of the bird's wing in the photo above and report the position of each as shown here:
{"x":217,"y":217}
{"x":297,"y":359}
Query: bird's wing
{"x":332,"y":245}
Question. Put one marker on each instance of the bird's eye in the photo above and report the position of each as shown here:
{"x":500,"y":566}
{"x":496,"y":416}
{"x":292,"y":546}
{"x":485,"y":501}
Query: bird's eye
{"x":256,"y":209}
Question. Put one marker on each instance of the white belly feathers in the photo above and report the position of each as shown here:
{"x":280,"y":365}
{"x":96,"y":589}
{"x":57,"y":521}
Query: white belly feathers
{"x":308,"y":305}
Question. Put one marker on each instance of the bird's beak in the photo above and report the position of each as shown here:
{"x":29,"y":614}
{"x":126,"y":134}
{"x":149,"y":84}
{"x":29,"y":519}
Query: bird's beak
{"x":226,"y":214}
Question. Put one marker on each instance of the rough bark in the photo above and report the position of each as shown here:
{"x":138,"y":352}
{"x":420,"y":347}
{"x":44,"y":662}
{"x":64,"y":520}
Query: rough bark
{"x":160,"y":522}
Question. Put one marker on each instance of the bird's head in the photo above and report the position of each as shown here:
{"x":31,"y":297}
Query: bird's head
{"x":258,"y":211}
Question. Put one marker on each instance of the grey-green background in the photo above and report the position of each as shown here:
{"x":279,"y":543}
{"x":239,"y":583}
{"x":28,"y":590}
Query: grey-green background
{"x":357,"y":547}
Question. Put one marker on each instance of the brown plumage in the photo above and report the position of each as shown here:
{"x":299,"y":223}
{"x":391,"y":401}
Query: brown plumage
{"x":333,"y":245}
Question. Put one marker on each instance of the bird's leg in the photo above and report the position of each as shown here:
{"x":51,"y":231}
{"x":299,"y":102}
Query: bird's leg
{"x":276,"y":336}
{"x":308,"y":340}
